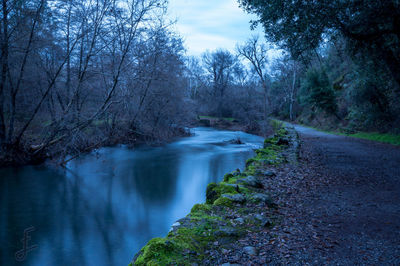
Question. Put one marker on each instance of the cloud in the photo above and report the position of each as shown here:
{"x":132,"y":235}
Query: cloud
{"x":208,"y":25}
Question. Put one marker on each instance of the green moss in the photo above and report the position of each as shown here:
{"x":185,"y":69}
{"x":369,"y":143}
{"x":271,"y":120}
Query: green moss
{"x":227,"y":177}
{"x":158,"y":251}
{"x":183,"y":247}
{"x":251,"y":170}
{"x":211,"y":195}
{"x":214,"y":191}
{"x":276,"y":124}
{"x":250,"y":161}
{"x":222,"y":201}
{"x":201,"y":208}
{"x":187,"y":244}
{"x":202,"y":212}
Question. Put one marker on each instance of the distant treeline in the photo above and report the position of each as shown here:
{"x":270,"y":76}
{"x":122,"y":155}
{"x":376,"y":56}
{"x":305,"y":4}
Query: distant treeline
{"x":80,"y":74}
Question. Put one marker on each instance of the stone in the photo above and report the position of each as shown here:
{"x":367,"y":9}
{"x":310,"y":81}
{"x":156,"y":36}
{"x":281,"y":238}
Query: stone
{"x":252,"y":251}
{"x":265,"y":222}
{"x":227,"y":231}
{"x":259,"y":217}
{"x":250,"y":181}
{"x":234,"y":186}
{"x":259,"y":197}
{"x":236,"y":173}
{"x":176,"y":224}
{"x":235,"y":197}
{"x":269,"y":173}
{"x":239,"y":220}
{"x":283,"y":141}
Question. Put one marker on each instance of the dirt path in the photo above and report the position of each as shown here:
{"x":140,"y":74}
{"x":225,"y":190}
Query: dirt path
{"x":342,"y":202}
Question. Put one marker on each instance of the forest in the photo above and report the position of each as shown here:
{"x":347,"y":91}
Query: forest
{"x":77,"y":75}
{"x":120,"y":126}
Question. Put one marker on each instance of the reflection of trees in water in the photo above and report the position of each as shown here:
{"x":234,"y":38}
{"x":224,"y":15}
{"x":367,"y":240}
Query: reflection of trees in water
{"x":100,"y":208}
{"x":222,"y":163}
{"x":155,"y":177}
{"x":64,"y":217}
{"x":28,"y":201}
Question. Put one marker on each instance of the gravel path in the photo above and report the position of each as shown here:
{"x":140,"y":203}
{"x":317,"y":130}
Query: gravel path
{"x":346,"y":206}
{"x":339,"y":206}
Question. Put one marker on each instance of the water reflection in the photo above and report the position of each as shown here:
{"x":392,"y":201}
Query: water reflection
{"x":108,"y":204}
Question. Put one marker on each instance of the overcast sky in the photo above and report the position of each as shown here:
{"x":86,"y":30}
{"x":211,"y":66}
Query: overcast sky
{"x":211,"y":24}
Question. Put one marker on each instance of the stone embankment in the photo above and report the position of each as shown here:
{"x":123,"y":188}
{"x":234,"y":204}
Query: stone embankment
{"x":234,"y":209}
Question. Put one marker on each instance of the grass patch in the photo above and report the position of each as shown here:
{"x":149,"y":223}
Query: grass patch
{"x":385,"y":138}
{"x":374,"y":136}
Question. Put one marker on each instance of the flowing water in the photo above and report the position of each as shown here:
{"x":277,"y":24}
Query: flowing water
{"x":106,"y":205}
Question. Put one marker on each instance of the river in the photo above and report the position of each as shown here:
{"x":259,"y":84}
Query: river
{"x":106,"y":205}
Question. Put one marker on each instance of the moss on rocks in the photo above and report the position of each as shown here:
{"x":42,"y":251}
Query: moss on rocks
{"x":187,"y":243}
{"x":214,"y":191}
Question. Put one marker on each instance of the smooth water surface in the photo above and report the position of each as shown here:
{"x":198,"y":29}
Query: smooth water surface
{"x":108,"y":204}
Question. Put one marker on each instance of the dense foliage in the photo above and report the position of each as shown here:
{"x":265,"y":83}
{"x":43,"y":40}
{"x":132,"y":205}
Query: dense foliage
{"x":348,"y":58}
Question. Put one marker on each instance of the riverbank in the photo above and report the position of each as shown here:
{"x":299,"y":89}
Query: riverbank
{"x":59,"y":153}
{"x":259,"y":128}
{"x":217,"y":231}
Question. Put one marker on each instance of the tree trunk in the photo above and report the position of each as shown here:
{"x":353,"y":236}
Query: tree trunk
{"x":4,"y":68}
{"x":292,"y":95}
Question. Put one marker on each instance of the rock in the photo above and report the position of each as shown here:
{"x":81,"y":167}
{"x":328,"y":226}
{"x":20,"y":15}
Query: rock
{"x":283,"y":141}
{"x":211,"y":195}
{"x":229,"y":264}
{"x":176,"y":224}
{"x":227,"y":231}
{"x":252,"y":251}
{"x":234,"y":186}
{"x":262,"y":198}
{"x":265,"y":162}
{"x":265,"y":222}
{"x":239,"y":220}
{"x":251,"y":181}
{"x":225,"y":251}
{"x":269,"y":173}
{"x":237,"y":172}
{"x":259,"y":217}
{"x":235,"y":197}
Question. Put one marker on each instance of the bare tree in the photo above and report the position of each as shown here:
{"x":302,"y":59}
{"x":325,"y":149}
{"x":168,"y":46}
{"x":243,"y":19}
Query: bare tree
{"x":66,"y":65}
{"x":219,"y":65}
{"x":256,"y":53}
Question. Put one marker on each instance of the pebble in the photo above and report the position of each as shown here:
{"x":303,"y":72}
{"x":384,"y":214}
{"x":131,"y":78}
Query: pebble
{"x":252,"y":251}
{"x":239,"y":220}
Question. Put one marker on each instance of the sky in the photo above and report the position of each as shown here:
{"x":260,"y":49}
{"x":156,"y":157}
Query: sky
{"x":211,"y":24}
